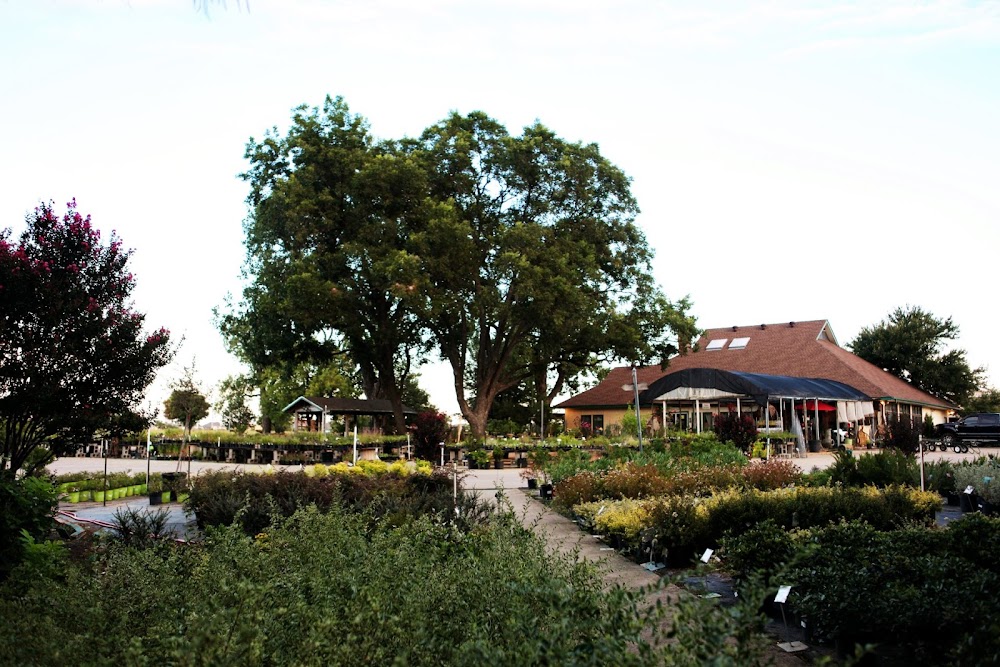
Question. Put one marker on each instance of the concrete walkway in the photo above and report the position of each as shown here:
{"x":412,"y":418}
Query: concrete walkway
{"x":565,"y":537}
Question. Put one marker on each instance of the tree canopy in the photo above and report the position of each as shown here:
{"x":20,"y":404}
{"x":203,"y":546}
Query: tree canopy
{"x":74,"y":357}
{"x":330,"y":217}
{"x":186,"y":403}
{"x":910,"y":344}
{"x":531,"y":264}
{"x":515,"y":257}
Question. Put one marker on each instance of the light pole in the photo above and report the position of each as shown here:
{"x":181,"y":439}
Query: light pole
{"x":635,"y":386}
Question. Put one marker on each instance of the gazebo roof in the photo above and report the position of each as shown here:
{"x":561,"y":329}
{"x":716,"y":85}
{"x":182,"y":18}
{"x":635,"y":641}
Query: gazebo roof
{"x":344,"y":406}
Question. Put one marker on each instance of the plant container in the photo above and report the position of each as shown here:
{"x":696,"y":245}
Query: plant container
{"x":99,"y":496}
{"x":156,"y":498}
{"x":532,"y":483}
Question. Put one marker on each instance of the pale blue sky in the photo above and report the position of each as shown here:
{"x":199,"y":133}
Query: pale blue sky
{"x":792,"y":161}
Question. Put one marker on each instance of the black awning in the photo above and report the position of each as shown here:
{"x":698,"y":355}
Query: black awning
{"x":756,"y":385}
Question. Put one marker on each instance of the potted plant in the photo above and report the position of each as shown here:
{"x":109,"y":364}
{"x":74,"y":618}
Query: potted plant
{"x":174,"y":483}
{"x":478,"y":458}
{"x":498,"y":455}
{"x":155,"y":490}
{"x":545,"y":487}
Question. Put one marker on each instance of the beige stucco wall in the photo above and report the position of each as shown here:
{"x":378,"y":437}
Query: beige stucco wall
{"x":611,"y":416}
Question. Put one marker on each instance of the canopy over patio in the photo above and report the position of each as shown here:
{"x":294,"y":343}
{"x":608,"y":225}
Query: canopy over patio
{"x":711,"y":383}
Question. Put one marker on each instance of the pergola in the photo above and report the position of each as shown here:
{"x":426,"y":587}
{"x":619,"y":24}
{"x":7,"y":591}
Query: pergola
{"x":313,"y":411}
{"x":709,"y":384}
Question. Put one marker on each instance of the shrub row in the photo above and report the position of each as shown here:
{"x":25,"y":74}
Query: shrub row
{"x":218,"y":498}
{"x":399,"y":467}
{"x":685,"y":525}
{"x":632,"y":480}
{"x":684,"y":453}
{"x":930,"y":591}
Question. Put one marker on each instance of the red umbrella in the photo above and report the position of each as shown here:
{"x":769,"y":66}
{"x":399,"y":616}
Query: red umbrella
{"x":823,"y":407}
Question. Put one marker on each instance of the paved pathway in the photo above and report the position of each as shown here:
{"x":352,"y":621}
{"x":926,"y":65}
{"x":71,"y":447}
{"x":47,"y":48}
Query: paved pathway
{"x":564,"y":536}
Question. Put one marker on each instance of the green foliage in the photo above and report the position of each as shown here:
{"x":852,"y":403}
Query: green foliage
{"x":761,"y":550}
{"x":730,"y":635}
{"x":983,"y":476}
{"x":73,"y":353}
{"x":927,"y":428}
{"x":233,"y":393}
{"x":939,"y":476}
{"x":140,"y":529}
{"x":502,"y":427}
{"x":333,"y":212}
{"x":909,"y":344}
{"x":913,"y":587}
{"x":186,"y":404}
{"x":629,"y":422}
{"x":985,"y":400}
{"x":529,"y":233}
{"x":219,"y":498}
{"x":633,"y":480}
{"x":881,"y":469}
{"x":684,"y":524}
{"x":295,"y":594}
{"x":26,"y":509}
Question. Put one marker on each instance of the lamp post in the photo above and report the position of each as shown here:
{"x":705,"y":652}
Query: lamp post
{"x":635,"y":387}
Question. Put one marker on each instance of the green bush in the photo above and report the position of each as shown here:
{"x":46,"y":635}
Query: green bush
{"x":299,"y":594}
{"x":760,"y":550}
{"x":218,"y":498}
{"x":983,"y":477}
{"x":880,"y":469}
{"x":912,"y":587}
{"x":26,"y":507}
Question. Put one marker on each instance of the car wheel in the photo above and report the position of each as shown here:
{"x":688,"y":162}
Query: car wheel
{"x":965,"y":449}
{"x":947,"y":442}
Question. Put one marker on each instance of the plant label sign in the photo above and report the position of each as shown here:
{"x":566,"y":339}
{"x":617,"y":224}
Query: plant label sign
{"x":969,"y":489}
{"x":782,"y":595}
{"x":705,"y":557}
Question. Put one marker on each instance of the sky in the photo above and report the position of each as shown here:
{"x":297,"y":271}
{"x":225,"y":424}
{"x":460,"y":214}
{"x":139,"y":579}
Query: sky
{"x":792,"y":160}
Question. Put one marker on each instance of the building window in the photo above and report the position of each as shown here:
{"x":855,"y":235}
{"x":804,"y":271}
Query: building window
{"x":595,"y":424}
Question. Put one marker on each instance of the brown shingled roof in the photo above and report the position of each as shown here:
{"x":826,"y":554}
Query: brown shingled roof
{"x":798,"y":349}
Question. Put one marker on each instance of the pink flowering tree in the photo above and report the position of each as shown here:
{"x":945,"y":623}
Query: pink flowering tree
{"x":74,"y":354}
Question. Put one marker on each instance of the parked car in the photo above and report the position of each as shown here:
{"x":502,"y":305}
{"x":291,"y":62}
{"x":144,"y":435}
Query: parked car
{"x":979,"y":427}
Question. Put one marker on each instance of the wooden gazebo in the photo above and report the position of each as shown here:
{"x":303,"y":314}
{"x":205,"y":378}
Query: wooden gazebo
{"x":311,"y":413}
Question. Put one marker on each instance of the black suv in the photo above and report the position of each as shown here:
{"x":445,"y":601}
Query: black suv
{"x":983,"y":426}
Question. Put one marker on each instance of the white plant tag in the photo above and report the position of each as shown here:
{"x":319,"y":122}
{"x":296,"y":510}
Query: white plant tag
{"x":782,"y":595}
{"x":705,"y":557}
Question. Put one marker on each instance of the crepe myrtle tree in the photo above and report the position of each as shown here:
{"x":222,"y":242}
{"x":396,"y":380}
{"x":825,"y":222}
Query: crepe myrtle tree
{"x":74,"y":353}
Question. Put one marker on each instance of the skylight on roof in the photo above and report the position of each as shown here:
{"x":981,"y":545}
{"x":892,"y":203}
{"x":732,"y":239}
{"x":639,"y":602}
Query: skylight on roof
{"x":716,"y":344}
{"x":739,"y":343}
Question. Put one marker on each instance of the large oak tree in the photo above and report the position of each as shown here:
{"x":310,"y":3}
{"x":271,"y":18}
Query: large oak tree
{"x":516,"y":257}
{"x":910,"y":344}
{"x":74,"y":356}
{"x":331,"y":212}
{"x":532,"y":265}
